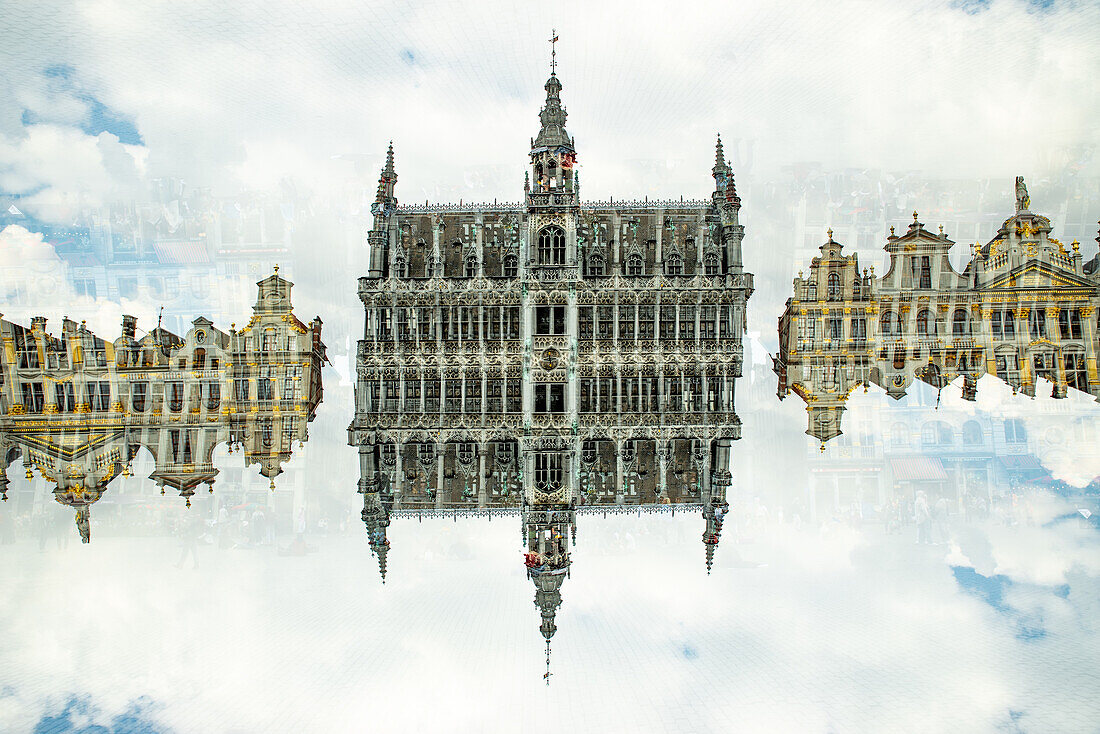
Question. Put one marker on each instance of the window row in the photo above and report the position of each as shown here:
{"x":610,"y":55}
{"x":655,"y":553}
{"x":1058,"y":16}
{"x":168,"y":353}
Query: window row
{"x":648,"y":394}
{"x":432,"y":395}
{"x":628,"y":323}
{"x":472,"y":323}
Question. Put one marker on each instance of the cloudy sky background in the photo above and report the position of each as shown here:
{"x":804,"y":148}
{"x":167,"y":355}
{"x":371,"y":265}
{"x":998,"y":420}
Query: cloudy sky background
{"x":100,"y":98}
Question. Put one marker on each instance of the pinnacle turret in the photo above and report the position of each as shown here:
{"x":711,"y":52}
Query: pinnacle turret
{"x":721,"y":169}
{"x":387,"y":179}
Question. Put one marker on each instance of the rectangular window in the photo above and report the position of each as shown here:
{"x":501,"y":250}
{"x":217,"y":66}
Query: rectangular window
{"x":609,"y":402}
{"x":645,"y":322}
{"x":1037,"y":323}
{"x":588,"y":395}
{"x":138,"y":392}
{"x":674,"y":394}
{"x":452,"y":401}
{"x":626,"y":323}
{"x":605,"y":324}
{"x":385,"y":325}
{"x":514,"y":398}
{"x":1076,"y":374}
{"x":65,"y":396}
{"x":391,"y":395}
{"x":550,"y":320}
{"x":707,"y":317}
{"x":1015,"y":431}
{"x":584,"y":322}
{"x":859,"y":329}
{"x":473,"y":394}
{"x":175,"y":396}
{"x":240,"y":390}
{"x":213,"y":395}
{"x":687,"y":322}
{"x":833,"y":329}
{"x":511,"y":322}
{"x":668,"y":322}
{"x":1069,"y":323}
{"x":412,"y":396}
{"x":549,"y":398}
{"x":431,"y":393}
{"x":494,"y":397}
{"x":995,"y":324}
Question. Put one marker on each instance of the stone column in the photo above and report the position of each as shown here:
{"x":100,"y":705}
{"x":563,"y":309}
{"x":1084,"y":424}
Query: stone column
{"x":619,"y":472}
{"x":663,"y":451}
{"x":399,"y":474}
{"x":482,"y":482}
{"x":441,"y":457}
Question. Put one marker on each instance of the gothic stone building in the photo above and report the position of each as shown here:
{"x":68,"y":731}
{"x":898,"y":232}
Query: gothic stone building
{"x":1023,"y":308}
{"x":550,"y":354}
{"x":78,"y":408}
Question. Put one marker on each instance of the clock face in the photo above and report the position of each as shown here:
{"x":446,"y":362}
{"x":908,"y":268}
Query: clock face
{"x":200,"y":337}
{"x":550,"y":359}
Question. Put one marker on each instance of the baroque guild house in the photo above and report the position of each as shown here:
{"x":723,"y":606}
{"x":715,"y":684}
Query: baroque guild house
{"x":78,"y":409}
{"x":1024,"y":307}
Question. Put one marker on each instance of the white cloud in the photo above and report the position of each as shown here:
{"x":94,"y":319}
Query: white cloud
{"x":34,"y":282}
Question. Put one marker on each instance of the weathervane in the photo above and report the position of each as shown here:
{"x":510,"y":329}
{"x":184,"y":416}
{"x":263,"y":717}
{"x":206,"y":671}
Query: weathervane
{"x":553,"y":51}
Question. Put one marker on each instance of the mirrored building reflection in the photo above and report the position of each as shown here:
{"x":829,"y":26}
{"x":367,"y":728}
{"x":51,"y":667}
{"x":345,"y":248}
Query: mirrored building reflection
{"x":78,"y":409}
{"x":550,"y":357}
{"x":1024,"y":308}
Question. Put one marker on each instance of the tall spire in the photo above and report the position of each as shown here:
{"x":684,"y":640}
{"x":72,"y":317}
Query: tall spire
{"x":720,"y":169}
{"x":386,"y":180}
{"x":552,"y":116}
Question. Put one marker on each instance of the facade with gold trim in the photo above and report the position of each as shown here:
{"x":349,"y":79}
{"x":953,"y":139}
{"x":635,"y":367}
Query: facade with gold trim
{"x":77,"y":408}
{"x":1024,"y":307}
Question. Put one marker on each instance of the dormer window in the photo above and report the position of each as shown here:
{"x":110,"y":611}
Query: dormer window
{"x":834,"y":287}
{"x":471,"y":267}
{"x":710,"y":265}
{"x":635,"y":265}
{"x":596,"y":266}
{"x":674,"y":265}
{"x":401,"y":267}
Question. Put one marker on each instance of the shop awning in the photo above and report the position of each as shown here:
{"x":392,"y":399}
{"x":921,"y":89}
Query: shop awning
{"x":918,"y":469}
{"x":181,"y":252}
{"x":1023,"y":462}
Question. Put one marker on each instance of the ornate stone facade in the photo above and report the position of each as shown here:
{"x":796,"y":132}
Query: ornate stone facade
{"x":1024,"y":307}
{"x":78,"y":408}
{"x":550,"y":355}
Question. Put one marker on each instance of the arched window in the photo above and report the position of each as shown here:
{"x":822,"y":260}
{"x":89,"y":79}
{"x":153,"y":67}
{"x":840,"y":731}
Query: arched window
{"x":972,"y":434}
{"x":634,"y":265}
{"x":960,"y":324}
{"x":926,"y":323}
{"x":674,"y":265}
{"x":710,"y":265}
{"x":471,"y":267}
{"x":890,"y":324}
{"x":834,"y":286}
{"x":551,"y":247}
{"x":596,"y":265}
{"x":509,"y":268}
{"x":936,"y":433}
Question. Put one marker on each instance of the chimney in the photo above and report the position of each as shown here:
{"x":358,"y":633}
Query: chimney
{"x":129,"y":326}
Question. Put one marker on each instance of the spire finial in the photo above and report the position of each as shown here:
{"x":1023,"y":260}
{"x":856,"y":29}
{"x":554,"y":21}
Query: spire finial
{"x":547,"y":674}
{"x":276,"y":268}
{"x":830,"y":233}
{"x":553,"y":51}
{"x":720,"y":170}
{"x":915,"y":216}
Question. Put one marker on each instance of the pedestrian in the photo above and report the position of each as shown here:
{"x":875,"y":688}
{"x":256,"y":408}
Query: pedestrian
{"x":922,"y":515}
